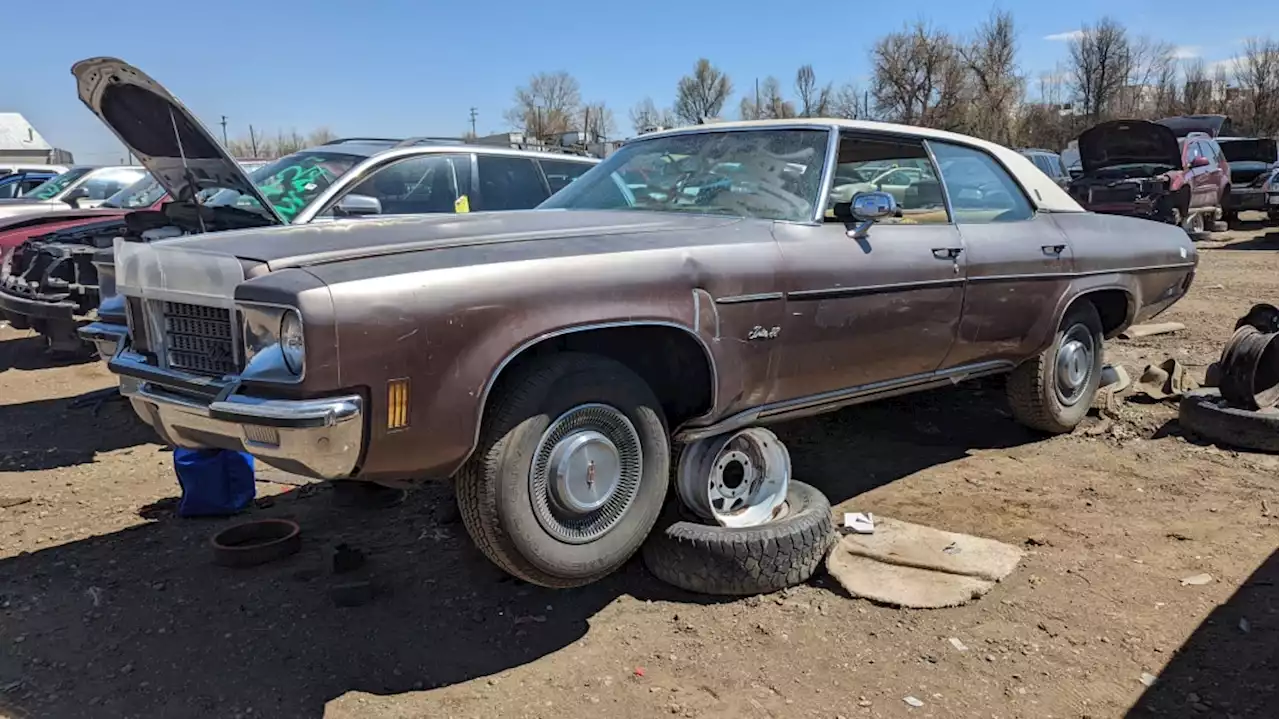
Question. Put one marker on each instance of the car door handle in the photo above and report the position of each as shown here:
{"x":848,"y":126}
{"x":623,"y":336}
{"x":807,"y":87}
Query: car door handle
{"x":947,"y":253}
{"x":1053,"y":249}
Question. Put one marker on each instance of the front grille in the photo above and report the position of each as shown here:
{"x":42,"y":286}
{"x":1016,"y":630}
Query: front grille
{"x":1126,"y":192}
{"x":199,"y":339}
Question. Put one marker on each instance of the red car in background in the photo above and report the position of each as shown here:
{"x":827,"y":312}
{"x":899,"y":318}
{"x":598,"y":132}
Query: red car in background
{"x":143,"y":194}
{"x":1142,"y":169}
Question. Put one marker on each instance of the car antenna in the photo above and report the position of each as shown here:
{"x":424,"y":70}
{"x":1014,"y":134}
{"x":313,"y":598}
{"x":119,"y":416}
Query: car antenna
{"x":177,"y":137}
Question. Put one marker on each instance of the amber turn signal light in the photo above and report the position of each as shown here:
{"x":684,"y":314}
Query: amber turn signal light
{"x":398,"y":403}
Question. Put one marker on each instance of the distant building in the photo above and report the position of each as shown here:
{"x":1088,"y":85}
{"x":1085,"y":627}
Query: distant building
{"x":19,"y":142}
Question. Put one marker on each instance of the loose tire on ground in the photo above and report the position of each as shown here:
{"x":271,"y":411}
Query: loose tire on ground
{"x":743,"y":561}
{"x":495,"y":490}
{"x":1031,"y":387}
{"x":1205,"y":414}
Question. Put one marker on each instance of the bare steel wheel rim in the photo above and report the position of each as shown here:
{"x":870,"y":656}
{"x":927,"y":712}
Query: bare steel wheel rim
{"x":1073,"y":365}
{"x":585,"y":473}
{"x":737,"y":480}
{"x":1195,"y":222}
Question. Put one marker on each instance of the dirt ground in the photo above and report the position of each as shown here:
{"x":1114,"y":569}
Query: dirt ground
{"x":110,"y":607}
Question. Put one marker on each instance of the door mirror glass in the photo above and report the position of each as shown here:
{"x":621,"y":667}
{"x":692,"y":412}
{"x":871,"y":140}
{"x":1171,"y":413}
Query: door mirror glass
{"x":358,"y":206}
{"x":74,"y":197}
{"x":872,"y":206}
{"x":1200,"y":161}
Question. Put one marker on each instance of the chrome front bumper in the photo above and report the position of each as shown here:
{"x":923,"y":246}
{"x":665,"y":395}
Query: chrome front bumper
{"x":319,"y":438}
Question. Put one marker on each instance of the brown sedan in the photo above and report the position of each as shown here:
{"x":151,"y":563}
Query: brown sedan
{"x":697,"y":281}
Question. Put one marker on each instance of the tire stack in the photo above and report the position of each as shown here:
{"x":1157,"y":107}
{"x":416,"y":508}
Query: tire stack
{"x":1243,"y":410}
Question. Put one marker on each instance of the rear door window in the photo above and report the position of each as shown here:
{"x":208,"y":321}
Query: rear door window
{"x":980,"y":189}
{"x":509,"y":183}
{"x":560,"y":173}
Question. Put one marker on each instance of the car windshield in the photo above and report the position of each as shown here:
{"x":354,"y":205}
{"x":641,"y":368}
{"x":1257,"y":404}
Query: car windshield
{"x":143,"y":193}
{"x":54,"y":186}
{"x":767,"y":174}
{"x":290,"y":183}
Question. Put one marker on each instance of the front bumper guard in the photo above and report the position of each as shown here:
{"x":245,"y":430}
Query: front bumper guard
{"x":319,"y":438}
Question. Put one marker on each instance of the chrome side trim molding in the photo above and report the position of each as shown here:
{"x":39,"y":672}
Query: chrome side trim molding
{"x":837,"y":399}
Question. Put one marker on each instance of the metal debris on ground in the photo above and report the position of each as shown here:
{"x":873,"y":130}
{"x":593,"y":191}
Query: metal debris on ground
{"x":860,"y":522}
{"x":959,"y":645}
{"x":1147,"y":679}
{"x":912,"y":701}
{"x":1167,"y":380}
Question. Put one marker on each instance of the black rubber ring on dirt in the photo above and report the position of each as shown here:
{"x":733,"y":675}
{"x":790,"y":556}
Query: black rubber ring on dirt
{"x":257,"y":542}
{"x":1204,"y":413}
{"x":755,"y":560}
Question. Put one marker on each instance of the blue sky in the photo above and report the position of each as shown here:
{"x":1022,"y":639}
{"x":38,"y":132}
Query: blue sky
{"x":396,"y":69}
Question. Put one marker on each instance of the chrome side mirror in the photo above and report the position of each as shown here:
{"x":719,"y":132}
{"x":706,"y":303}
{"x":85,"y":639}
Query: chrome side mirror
{"x":868,"y":208}
{"x":358,"y":206}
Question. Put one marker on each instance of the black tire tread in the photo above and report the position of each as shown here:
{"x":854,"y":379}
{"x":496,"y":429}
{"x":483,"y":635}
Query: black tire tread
{"x":1026,"y":385}
{"x":477,"y":498}
{"x":739,"y":562}
{"x":1205,"y":414}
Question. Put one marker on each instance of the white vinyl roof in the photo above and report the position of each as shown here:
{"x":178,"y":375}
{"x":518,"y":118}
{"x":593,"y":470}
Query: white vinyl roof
{"x":18,"y":134}
{"x":1044,"y":192}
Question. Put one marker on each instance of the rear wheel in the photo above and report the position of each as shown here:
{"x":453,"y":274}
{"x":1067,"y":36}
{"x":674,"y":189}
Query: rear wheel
{"x":571,"y":471}
{"x":1053,"y":392}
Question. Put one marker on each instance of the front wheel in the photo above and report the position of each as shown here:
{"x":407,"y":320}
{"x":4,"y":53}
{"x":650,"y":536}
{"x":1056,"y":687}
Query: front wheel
{"x":1053,"y":392}
{"x":571,"y":471}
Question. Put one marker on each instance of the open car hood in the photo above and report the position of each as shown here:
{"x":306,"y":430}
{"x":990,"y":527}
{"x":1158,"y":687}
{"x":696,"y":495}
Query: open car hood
{"x":1247,"y":150}
{"x":165,"y":137}
{"x":1128,"y":142}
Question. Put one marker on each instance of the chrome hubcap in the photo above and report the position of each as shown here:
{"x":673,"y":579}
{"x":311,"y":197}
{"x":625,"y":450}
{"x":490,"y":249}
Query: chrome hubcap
{"x":585,"y":473}
{"x":585,"y":468}
{"x":1074,"y":364}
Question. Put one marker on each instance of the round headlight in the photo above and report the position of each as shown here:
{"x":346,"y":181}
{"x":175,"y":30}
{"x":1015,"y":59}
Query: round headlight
{"x":291,"y":344}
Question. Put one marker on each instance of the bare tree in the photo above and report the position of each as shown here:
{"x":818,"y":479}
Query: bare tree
{"x":1166,"y":101}
{"x":918,"y":77}
{"x":850,"y":103}
{"x":1257,"y":73}
{"x":997,"y":87}
{"x":814,"y":101}
{"x":1100,"y":61}
{"x":320,"y":136}
{"x":701,"y":95}
{"x":597,"y":122}
{"x":1150,"y":62}
{"x":289,"y":142}
{"x":644,"y":115}
{"x":549,"y":106}
{"x":1197,"y":90}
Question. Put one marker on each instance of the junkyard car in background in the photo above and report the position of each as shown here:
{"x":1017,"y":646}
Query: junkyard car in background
{"x":1139,"y":168}
{"x":49,"y":283}
{"x":1271,"y":186}
{"x":19,"y":180}
{"x":1251,"y":161}
{"x":550,"y":359}
{"x":77,"y":188}
{"x":1211,"y":125}
{"x":347,"y":179}
{"x":1050,"y":163}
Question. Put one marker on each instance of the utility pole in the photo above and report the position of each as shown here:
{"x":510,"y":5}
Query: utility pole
{"x":473,"y":122}
{"x":224,"y":130}
{"x":253,"y":142}
{"x":757,"y":117}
